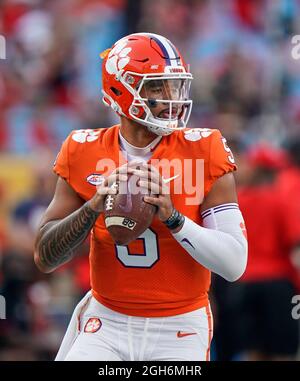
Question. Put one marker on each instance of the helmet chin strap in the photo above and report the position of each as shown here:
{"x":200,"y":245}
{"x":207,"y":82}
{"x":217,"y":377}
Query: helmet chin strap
{"x":158,"y":130}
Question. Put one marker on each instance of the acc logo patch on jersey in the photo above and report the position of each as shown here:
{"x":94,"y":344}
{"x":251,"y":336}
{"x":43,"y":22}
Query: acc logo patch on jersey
{"x":95,"y":179}
{"x":93,"y":325}
{"x":197,"y":133}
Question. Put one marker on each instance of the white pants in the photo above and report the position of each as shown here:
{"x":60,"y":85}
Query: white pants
{"x":106,"y":335}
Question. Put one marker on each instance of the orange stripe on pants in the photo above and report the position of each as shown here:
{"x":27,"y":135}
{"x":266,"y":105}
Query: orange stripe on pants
{"x":210,"y":329}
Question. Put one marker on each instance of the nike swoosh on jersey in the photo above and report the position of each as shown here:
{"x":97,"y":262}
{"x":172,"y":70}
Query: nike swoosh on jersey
{"x":184,"y":334}
{"x":166,"y":181}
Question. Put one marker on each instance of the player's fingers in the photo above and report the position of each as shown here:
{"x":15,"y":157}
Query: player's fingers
{"x":116,"y":177}
{"x":107,"y":190}
{"x":154,"y":173}
{"x":128,"y":167}
{"x":157,"y":186}
{"x":123,"y":169}
{"x":118,"y":169}
{"x":142,"y":173}
{"x":112,"y":190}
{"x":135,"y":163}
{"x":153,"y":200}
{"x":149,"y":167}
{"x":146,"y":172}
{"x":165,"y":188}
{"x":152,"y":187}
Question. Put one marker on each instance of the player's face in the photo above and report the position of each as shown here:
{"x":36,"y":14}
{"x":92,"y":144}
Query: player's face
{"x":159,"y":92}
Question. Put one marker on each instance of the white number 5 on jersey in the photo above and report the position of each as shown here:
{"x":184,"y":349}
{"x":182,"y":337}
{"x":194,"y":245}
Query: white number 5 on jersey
{"x":227,"y":149}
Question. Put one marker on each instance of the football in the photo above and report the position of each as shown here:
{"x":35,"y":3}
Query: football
{"x":126,"y":214}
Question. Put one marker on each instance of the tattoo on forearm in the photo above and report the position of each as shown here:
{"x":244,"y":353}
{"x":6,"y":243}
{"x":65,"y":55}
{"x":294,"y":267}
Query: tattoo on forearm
{"x":58,"y":242}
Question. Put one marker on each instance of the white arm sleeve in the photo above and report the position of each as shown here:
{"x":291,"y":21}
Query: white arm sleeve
{"x":221,"y":244}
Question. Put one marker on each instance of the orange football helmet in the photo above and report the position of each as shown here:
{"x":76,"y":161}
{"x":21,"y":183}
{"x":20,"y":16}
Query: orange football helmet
{"x":139,"y":72}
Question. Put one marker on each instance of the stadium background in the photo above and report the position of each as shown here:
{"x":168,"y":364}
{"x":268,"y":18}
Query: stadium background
{"x":246,"y":84}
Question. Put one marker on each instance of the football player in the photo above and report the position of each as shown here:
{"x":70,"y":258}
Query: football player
{"x":149,"y":299}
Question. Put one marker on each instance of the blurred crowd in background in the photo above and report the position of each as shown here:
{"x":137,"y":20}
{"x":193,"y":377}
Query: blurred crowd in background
{"x":246,"y":84}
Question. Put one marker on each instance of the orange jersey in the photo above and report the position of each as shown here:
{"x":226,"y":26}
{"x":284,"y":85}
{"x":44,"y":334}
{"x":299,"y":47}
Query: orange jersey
{"x":152,"y":276}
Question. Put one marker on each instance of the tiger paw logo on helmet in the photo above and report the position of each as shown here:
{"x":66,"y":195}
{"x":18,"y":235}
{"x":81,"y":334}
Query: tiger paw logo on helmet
{"x":118,"y":58}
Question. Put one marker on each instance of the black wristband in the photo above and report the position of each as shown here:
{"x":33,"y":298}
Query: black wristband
{"x":175,"y":220}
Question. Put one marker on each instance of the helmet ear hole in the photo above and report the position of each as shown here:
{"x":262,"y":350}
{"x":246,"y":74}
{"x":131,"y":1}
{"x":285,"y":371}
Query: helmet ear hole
{"x":116,"y":91}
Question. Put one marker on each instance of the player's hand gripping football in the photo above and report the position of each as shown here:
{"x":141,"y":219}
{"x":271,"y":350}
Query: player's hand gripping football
{"x":151,"y":179}
{"x":108,"y":185}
